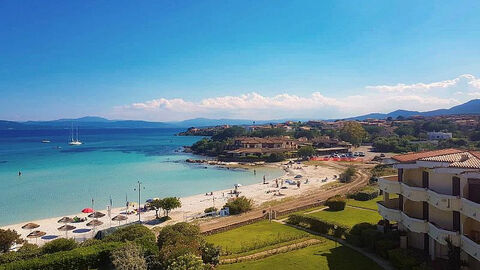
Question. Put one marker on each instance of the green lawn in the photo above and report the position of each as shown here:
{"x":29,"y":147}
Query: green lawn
{"x":371,"y":204}
{"x":323,"y":256}
{"x":349,"y":216}
{"x":256,"y":236}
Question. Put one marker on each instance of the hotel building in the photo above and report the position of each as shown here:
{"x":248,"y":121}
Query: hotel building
{"x":438,"y":199}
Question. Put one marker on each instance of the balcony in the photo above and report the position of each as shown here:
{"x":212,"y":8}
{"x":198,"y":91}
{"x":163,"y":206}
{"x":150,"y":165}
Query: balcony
{"x":389,"y":184}
{"x":470,"y":209}
{"x":443,"y":202}
{"x":414,"y":224}
{"x":389,"y":210}
{"x":470,"y":247}
{"x":440,"y":235}
{"x":417,"y":194}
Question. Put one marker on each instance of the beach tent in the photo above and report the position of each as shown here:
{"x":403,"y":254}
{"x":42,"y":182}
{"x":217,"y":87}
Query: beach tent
{"x":87,"y":210}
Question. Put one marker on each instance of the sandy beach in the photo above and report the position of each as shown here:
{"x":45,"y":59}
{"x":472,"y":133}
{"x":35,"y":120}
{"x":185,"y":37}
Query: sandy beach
{"x":312,"y":177}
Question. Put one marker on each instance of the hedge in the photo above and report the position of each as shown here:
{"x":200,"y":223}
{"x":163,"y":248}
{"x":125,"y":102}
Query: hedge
{"x":383,"y":246}
{"x":96,"y":256}
{"x":318,"y":225}
{"x":354,"y":236}
{"x":336,"y":203}
{"x":405,"y":259}
{"x":365,"y":194}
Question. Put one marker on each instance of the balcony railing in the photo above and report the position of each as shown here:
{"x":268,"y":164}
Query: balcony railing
{"x":443,"y":202}
{"x":414,"y":224}
{"x":470,"y":247}
{"x":417,"y":194}
{"x":389,"y":184}
{"x":440,"y":235}
{"x":471,"y":209}
{"x":388,"y":212}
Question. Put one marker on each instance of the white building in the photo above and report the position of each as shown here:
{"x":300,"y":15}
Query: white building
{"x":438,"y":199}
{"x":432,"y":136}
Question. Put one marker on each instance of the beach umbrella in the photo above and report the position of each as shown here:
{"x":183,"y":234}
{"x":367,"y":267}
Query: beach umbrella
{"x":65,"y":220}
{"x":66,"y":228}
{"x":30,"y":226}
{"x":36,"y":234}
{"x":87,"y":210}
{"x":119,"y":218}
{"x":94,"y":223}
{"x":96,"y":215}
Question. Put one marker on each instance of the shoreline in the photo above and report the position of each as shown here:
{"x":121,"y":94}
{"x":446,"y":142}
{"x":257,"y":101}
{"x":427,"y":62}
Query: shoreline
{"x":195,"y":204}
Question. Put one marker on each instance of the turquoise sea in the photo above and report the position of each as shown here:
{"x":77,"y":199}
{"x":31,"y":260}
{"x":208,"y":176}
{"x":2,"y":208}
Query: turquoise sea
{"x":58,"y":179}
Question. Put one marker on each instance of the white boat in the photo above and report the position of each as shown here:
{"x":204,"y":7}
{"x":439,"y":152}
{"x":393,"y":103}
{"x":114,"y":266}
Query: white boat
{"x":76,"y":141}
{"x":45,"y":141}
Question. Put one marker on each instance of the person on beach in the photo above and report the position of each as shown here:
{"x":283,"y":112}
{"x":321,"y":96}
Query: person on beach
{"x":276,"y":182}
{"x":264,"y":179}
{"x":254,"y":172}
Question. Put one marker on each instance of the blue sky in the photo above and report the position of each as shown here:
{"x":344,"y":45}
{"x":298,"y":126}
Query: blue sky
{"x":172,"y":60}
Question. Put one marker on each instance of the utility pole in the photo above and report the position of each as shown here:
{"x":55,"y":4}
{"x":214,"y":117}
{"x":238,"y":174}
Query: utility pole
{"x":139,"y":189}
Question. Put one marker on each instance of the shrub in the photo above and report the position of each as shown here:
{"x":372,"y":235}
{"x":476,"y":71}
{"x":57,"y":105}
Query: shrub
{"x":317,"y":225}
{"x":8,"y":238}
{"x":336,"y":203}
{"x":97,"y":256}
{"x":128,"y":257}
{"x":239,"y":205}
{"x":210,"y":209}
{"x":60,"y":244}
{"x":187,"y":261}
{"x":137,"y":233}
{"x":365,"y":194}
{"x":347,"y":175}
{"x":354,"y":236}
{"x":27,"y":251}
{"x":405,"y":259}
{"x":276,"y":157}
{"x":370,"y":237}
{"x":210,"y":253}
{"x":383,"y":246}
{"x":179,"y":239}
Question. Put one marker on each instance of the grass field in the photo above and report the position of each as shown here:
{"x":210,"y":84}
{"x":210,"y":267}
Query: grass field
{"x":371,"y":204}
{"x":323,"y":256}
{"x":348,"y":216}
{"x":256,"y":236}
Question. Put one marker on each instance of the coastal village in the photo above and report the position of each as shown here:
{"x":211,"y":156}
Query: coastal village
{"x":387,"y":210}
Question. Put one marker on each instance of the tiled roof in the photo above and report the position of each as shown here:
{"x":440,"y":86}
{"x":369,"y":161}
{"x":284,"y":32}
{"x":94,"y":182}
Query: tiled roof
{"x":455,"y":157}
{"x":410,"y":157}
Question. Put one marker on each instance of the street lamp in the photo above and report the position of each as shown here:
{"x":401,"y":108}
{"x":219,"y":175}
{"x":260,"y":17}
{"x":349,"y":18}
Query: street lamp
{"x":139,"y":189}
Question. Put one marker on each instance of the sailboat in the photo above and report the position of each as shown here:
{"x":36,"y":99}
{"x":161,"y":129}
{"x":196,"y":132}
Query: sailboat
{"x":76,"y":141}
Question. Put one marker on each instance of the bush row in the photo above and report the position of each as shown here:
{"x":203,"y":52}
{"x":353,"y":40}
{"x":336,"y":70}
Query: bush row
{"x":95,"y":256}
{"x":336,"y":203}
{"x":317,"y":225}
{"x":365,"y":194}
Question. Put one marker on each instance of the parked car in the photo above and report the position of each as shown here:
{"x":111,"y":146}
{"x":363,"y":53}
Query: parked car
{"x":361,"y":154}
{"x":382,"y":155}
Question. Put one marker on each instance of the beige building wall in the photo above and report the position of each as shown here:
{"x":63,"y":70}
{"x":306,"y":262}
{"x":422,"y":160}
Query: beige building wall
{"x":413,"y":209}
{"x":440,"y":183}
{"x":415,"y":240}
{"x":413,"y":177}
{"x":443,"y":219}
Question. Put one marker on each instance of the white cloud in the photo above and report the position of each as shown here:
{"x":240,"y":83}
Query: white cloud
{"x":401,"y":87}
{"x":316,"y":105}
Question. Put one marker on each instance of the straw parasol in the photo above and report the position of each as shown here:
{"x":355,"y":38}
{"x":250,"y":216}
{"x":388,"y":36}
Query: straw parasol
{"x":119,"y":218}
{"x":94,"y":223}
{"x":36,"y":234}
{"x":30,"y":226}
{"x":66,"y":228}
{"x":96,"y":215}
{"x":65,"y":220}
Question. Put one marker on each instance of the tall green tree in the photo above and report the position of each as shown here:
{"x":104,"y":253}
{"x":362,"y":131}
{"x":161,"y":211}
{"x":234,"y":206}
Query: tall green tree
{"x":128,"y":257}
{"x":353,"y":132}
{"x":170,"y":203}
{"x":155,"y":205}
{"x":306,"y":151}
{"x":8,"y":238}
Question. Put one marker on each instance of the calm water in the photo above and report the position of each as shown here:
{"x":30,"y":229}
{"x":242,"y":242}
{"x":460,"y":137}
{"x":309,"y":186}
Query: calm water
{"x":59,"y":179}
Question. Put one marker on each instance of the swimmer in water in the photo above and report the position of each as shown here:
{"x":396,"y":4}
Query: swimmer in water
{"x":19,"y":173}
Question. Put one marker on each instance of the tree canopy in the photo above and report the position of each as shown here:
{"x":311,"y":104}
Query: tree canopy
{"x":353,"y":132}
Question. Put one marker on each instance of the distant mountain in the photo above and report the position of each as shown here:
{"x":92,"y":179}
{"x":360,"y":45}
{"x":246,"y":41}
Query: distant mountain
{"x":470,"y":107}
